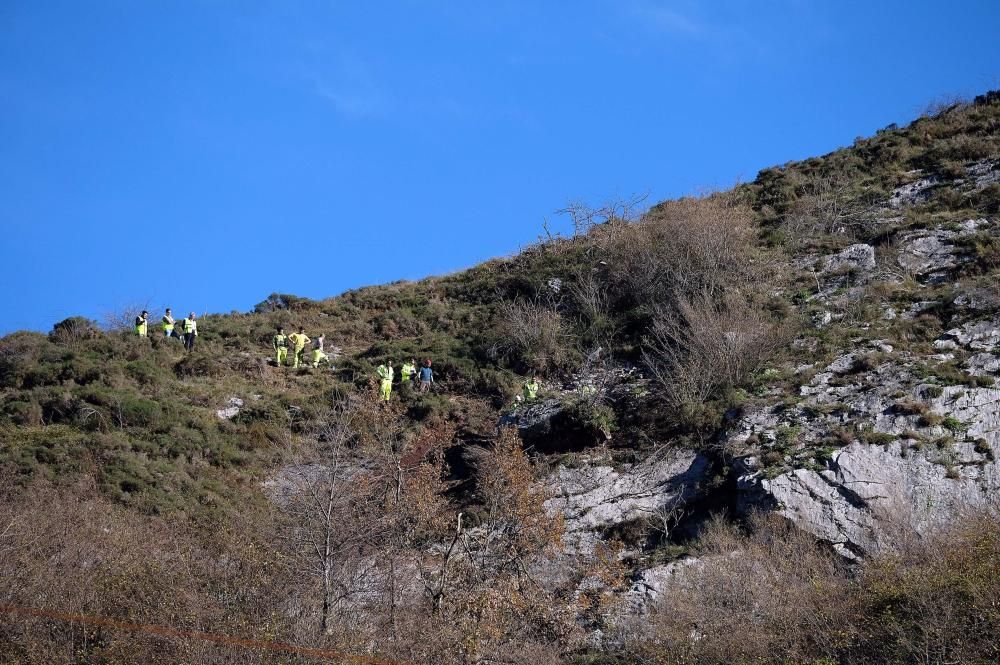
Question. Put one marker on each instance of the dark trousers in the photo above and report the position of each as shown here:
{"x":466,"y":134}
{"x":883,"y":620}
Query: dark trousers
{"x":189,"y":341}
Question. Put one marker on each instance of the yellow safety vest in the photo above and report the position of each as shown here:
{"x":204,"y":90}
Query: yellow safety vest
{"x":168,"y":323}
{"x":280,"y":341}
{"x":190,"y":326}
{"x":385,"y":373}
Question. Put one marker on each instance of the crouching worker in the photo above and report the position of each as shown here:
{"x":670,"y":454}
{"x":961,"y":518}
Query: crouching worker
{"x":318,"y":355}
{"x":531,"y":389}
{"x":280,"y":345}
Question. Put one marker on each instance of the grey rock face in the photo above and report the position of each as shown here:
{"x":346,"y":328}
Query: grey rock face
{"x":593,"y":497}
{"x":855,"y":257}
{"x":978,"y":336}
{"x":232,"y":409}
{"x":865,"y":491}
{"x":914,"y":192}
{"x":983,"y":364}
{"x":650,"y":584}
{"x":934,"y":251}
{"x":534,"y":415}
{"x":984,"y":173}
{"x":927,"y":253}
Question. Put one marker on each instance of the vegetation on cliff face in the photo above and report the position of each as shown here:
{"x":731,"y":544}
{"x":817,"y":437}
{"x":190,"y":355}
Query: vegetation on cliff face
{"x":315,"y":516}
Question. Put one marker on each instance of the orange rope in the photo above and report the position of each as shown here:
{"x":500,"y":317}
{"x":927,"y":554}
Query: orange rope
{"x":167,"y":631}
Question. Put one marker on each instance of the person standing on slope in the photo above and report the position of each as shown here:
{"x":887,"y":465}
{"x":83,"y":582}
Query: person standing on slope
{"x":385,"y":374}
{"x":142,"y":324}
{"x":168,"y":324}
{"x":190,"y":328}
{"x":280,"y":345}
{"x":299,"y":339}
{"x":426,"y":376}
{"x":407,"y":372}
{"x":318,"y":355}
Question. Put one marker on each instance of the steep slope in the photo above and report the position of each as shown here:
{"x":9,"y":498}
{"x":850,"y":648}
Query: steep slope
{"x":819,"y":344}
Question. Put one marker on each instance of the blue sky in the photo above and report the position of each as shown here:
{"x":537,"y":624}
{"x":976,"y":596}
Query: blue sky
{"x":205,"y":154}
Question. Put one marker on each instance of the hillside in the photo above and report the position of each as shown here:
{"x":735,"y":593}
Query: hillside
{"x":767,"y":432}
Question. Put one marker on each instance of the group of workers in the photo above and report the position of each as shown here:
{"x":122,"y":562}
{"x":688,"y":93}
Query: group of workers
{"x":409,"y":374}
{"x":298,"y":341}
{"x":188,"y":327}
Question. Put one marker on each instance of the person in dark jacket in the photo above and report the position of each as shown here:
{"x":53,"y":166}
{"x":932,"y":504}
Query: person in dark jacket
{"x":426,"y":376}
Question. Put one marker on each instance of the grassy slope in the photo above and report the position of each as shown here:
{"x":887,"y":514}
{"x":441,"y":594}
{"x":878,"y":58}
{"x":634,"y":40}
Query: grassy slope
{"x":139,"y":415}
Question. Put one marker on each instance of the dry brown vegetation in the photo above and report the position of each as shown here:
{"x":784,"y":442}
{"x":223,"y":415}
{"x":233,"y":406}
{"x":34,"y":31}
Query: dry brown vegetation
{"x":361,"y":553}
{"x":684,"y":248}
{"x":536,"y":332}
{"x":774,"y":595}
{"x":707,"y":345}
{"x":686,"y":281}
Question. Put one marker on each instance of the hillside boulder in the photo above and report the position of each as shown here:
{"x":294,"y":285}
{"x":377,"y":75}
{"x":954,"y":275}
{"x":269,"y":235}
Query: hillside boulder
{"x":600,"y":496}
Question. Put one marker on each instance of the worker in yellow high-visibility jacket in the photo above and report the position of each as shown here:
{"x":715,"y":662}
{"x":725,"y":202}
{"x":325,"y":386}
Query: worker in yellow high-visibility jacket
{"x":385,"y":374}
{"x":142,"y":324}
{"x":299,"y":340}
{"x":280,"y":345}
{"x":190,"y":328}
{"x":531,"y":389}
{"x":318,"y":354}
{"x":407,"y":372}
{"x":168,"y":323}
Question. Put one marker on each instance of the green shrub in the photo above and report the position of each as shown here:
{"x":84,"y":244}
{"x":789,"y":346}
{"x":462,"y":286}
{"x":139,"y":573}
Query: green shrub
{"x":591,"y":414}
{"x":931,"y":392}
{"x":953,"y":424}
{"x":139,"y":412}
{"x":74,"y":329}
{"x":984,"y":248}
{"x":199,"y":363}
{"x":874,"y":438}
{"x":428,"y":407}
{"x":786,"y":437}
{"x":54,"y":451}
{"x":145,"y":372}
{"x":285,"y":301}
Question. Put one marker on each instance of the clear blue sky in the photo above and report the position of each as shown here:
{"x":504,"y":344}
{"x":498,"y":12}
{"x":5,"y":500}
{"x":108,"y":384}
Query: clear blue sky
{"x":205,"y":154}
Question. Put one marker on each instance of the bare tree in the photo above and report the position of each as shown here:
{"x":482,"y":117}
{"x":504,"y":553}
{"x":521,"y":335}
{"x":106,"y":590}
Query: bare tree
{"x":330,"y":514}
{"x":707,"y":345}
{"x":123,"y":319}
{"x":612,"y":214}
{"x":665,"y":517}
{"x":590,"y":296}
{"x":537,"y":333}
